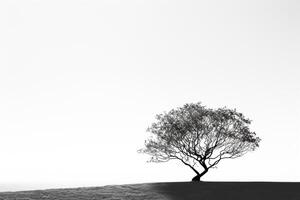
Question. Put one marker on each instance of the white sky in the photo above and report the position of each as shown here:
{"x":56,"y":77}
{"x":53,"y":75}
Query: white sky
{"x":80,"y":81}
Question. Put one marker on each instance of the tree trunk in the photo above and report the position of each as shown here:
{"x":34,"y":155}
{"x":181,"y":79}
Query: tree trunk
{"x":198,"y":176}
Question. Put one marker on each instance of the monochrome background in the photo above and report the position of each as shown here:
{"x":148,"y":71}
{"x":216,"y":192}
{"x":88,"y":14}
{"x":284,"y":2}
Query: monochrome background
{"x":81,"y":80}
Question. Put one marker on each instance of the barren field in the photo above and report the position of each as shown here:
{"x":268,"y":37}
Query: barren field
{"x":164,"y":191}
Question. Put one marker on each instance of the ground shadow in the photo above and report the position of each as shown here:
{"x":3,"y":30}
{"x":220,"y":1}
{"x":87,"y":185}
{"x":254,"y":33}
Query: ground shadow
{"x":229,"y":190}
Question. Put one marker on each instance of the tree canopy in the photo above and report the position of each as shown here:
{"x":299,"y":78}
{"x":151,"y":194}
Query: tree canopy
{"x":199,"y":137}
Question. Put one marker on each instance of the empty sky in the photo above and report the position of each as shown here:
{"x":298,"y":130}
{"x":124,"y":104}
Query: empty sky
{"x":80,"y":81}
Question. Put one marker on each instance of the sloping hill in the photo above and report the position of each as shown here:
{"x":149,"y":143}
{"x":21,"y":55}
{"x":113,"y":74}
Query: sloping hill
{"x":171,"y":191}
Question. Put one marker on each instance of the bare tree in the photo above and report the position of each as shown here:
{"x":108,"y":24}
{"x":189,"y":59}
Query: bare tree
{"x":199,"y":137}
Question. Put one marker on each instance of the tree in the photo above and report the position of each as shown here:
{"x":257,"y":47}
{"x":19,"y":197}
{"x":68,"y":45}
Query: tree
{"x":199,"y":137}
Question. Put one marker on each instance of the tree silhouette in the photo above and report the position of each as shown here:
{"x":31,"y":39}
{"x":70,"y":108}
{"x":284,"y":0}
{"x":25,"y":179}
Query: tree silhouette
{"x":199,"y":137}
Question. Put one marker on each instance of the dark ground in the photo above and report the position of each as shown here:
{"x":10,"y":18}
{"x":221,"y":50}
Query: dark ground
{"x":230,"y":190}
{"x":171,"y":191}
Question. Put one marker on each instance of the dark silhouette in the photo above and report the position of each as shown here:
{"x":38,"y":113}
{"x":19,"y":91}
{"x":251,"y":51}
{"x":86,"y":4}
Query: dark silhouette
{"x":199,"y":137}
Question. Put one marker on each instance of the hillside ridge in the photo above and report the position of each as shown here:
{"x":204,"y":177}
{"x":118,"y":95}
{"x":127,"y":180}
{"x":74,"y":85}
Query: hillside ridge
{"x":168,"y":191}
